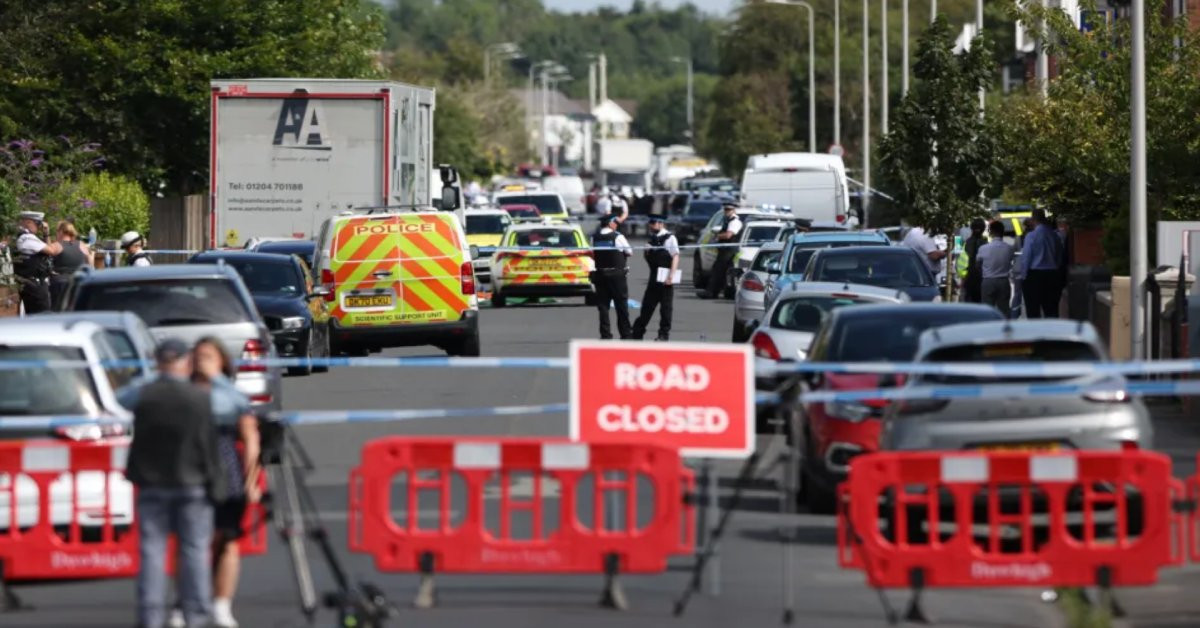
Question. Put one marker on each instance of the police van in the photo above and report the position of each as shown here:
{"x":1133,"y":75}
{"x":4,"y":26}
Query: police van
{"x":398,"y":277}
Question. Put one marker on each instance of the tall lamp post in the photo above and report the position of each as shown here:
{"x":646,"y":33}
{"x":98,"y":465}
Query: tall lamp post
{"x":866,"y":106}
{"x":812,"y":81}
{"x":530,"y":95}
{"x":1137,"y":182}
{"x":549,"y":74}
{"x":883,"y":76}
{"x":503,"y":50}
{"x":691,"y":129}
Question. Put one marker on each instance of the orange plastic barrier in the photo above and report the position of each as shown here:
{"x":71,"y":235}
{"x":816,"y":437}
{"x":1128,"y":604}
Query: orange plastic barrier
{"x":933,"y":519}
{"x":452,"y":505}
{"x":73,"y":516}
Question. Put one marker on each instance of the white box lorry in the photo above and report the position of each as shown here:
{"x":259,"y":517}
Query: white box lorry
{"x":625,"y":164}
{"x":285,"y":154}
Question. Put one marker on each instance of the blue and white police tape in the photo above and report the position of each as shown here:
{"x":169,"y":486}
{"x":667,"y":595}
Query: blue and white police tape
{"x":988,"y":369}
{"x":367,"y":362}
{"x":1114,"y":390}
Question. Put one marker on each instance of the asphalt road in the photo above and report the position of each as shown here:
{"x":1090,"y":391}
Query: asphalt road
{"x":751,"y":553}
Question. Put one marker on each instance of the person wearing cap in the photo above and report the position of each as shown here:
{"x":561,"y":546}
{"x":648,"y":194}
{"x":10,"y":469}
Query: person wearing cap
{"x":611,"y":251}
{"x":133,"y":242}
{"x":175,"y":465}
{"x":727,"y":231}
{"x":663,"y":258}
{"x":33,"y":262}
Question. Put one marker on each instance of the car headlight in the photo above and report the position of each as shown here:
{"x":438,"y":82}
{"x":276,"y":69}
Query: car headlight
{"x":292,"y":322}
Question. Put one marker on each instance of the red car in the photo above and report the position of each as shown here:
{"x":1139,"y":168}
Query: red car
{"x":833,"y":433}
{"x":522,"y":212}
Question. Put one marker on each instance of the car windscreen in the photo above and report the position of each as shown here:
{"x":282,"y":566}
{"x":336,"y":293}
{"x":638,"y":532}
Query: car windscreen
{"x":703,"y":209}
{"x":556,"y":238}
{"x":270,"y":278}
{"x":799,"y":260}
{"x":1033,"y":351}
{"x":632,"y":179}
{"x":890,"y":334}
{"x":764,"y":258}
{"x":806,"y":313}
{"x":547,"y":204}
{"x":168,"y":302}
{"x":761,"y":234}
{"x":304,"y":249}
{"x":41,"y":391}
{"x":883,"y":268}
{"x":487,"y":223}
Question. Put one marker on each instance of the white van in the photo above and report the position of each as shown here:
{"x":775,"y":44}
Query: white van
{"x":813,"y":184}
{"x":570,"y":188}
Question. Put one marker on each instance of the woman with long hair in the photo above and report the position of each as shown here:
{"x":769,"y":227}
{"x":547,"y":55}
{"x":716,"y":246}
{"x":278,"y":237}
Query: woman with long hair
{"x":235,"y":423}
{"x":75,"y":255}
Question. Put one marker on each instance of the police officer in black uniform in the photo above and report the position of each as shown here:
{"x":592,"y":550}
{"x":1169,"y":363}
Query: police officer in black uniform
{"x":611,"y":250}
{"x":32,"y":263}
{"x":727,"y":231}
{"x":663,"y":258}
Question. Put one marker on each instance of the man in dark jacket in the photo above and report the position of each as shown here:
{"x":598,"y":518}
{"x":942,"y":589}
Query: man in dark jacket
{"x":173,"y":461}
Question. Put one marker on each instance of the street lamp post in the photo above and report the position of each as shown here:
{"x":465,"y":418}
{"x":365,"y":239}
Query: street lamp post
{"x":884,"y":67}
{"x":812,"y":80}
{"x":550,"y":73}
{"x":530,"y":95}
{"x":904,"y":47}
{"x":691,"y":129}
{"x":837,"y":73}
{"x":1137,"y":182}
{"x":979,"y":32}
{"x":503,"y":50}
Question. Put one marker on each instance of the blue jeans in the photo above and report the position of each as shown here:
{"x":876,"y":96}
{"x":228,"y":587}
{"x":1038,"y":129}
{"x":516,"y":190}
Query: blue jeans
{"x":188,"y":514}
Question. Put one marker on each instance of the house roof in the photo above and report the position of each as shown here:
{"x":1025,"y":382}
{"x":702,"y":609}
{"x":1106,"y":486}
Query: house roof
{"x":558,"y":103}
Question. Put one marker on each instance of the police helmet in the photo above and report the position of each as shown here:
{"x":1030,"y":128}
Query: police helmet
{"x":130,"y":238}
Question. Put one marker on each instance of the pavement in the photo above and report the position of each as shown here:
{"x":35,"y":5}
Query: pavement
{"x":752,"y":554}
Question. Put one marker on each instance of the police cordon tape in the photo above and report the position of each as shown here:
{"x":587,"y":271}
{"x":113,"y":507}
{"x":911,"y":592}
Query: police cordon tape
{"x":964,"y":369}
{"x":507,"y":249}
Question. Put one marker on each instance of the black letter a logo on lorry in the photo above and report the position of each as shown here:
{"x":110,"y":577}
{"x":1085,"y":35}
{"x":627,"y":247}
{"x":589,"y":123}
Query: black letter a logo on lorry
{"x":299,"y":125}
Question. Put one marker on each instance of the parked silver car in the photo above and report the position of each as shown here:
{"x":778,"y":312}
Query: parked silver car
{"x":189,"y":302}
{"x":787,"y":329}
{"x":1102,"y":420}
{"x":128,"y":335}
{"x":750,"y":297}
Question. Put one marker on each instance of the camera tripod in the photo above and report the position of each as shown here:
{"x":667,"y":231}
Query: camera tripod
{"x":293,"y":513}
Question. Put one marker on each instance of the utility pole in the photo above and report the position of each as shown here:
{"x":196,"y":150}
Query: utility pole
{"x":1042,"y":72}
{"x":866,"y":106}
{"x":979,"y":33}
{"x":904,"y":47}
{"x":1138,"y":263}
{"x":883,"y":55}
{"x":591,"y":87}
{"x":603,"y":92}
{"x":837,"y":73}
{"x":691,"y":132}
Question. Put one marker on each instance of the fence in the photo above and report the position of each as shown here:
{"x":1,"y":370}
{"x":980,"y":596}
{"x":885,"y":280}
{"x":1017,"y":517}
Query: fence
{"x":179,"y":224}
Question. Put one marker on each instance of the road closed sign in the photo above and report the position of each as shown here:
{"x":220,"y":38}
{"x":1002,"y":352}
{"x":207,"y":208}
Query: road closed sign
{"x":698,"y":398}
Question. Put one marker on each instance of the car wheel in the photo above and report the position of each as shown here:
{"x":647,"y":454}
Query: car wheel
{"x":467,"y":347}
{"x":326,"y":352}
{"x":818,"y":498}
{"x":589,"y":299}
{"x":300,"y":371}
{"x":729,"y":291}
{"x":498,"y":300}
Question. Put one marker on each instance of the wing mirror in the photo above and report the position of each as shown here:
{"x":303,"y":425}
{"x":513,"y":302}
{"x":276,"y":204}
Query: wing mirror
{"x":773,"y":268}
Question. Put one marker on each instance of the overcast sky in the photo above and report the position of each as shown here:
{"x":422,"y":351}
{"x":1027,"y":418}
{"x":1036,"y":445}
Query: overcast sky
{"x":720,"y":7}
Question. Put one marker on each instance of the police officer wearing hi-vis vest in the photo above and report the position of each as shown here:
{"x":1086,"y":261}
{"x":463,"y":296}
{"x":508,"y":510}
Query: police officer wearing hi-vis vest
{"x":611,"y":251}
{"x":663,"y":258}
{"x":33,"y":262}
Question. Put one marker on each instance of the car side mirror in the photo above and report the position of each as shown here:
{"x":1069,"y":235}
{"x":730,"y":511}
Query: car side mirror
{"x":773,"y":267}
{"x":450,"y":199}
{"x":319,"y":292}
{"x":752,"y":325}
{"x":474,"y":252}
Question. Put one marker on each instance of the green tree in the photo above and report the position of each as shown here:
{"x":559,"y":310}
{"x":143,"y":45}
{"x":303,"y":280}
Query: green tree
{"x":133,"y":74}
{"x":749,"y":115}
{"x":111,"y":204}
{"x":662,"y":110}
{"x":939,"y":157}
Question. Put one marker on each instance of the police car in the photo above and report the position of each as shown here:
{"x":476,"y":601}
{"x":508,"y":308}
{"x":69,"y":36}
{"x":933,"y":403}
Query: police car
{"x":485,"y":228}
{"x":546,"y":259}
{"x":398,"y":278}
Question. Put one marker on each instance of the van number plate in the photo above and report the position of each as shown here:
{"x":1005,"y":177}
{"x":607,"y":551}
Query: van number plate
{"x":374,"y":300}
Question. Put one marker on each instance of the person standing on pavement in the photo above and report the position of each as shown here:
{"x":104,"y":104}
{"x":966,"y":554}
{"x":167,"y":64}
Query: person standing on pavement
{"x":133,"y":244}
{"x":33,"y":262}
{"x":611,"y":251}
{"x":74,"y":255}
{"x":994,"y":262}
{"x":174,"y":464}
{"x":235,"y":423}
{"x":663,"y":258}
{"x":1041,"y":268}
{"x":727,"y":231}
{"x":971,"y":280}
{"x":917,"y":240}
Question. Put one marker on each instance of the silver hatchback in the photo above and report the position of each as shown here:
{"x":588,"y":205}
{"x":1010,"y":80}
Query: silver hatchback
{"x":1105,"y":420}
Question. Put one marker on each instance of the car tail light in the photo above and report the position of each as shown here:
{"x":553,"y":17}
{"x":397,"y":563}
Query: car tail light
{"x":1130,"y":445}
{"x":841,"y":218}
{"x":265,"y":398}
{"x":753,"y":285}
{"x":764,"y":347}
{"x":468,"y":278}
{"x":252,"y":355}
{"x":90,"y":431}
{"x":327,"y":280}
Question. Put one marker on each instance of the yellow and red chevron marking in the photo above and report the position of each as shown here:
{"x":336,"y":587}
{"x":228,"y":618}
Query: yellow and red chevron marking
{"x":421,"y":255}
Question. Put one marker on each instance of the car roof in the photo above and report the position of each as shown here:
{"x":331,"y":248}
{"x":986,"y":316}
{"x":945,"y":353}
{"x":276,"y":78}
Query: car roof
{"x":1021,"y":330}
{"x":26,"y":331}
{"x":774,"y":245}
{"x":838,"y":236}
{"x":529,"y":226}
{"x":241,"y":256}
{"x":833,"y":287}
{"x":502,"y":194}
{"x":161,"y":271}
{"x":488,"y":211}
{"x":767,"y":222}
{"x":911,"y":309}
{"x":103,"y":318}
{"x":287,"y":243}
{"x":850,"y":251}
